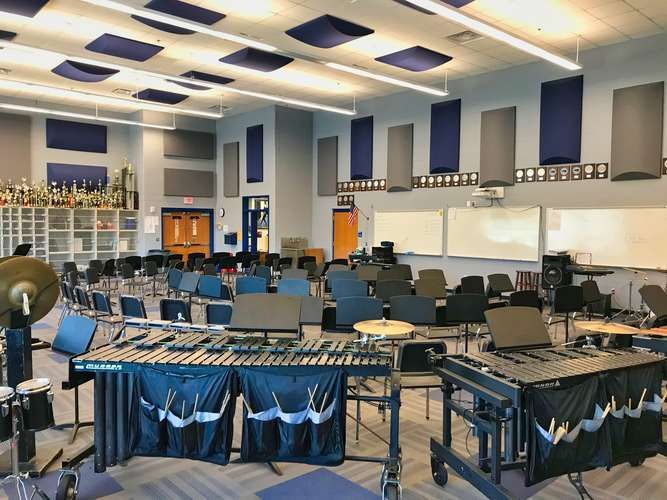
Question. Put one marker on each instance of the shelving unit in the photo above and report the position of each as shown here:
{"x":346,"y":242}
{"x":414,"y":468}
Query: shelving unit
{"x":59,"y":235}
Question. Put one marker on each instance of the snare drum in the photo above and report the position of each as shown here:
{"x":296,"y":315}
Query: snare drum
{"x":36,"y":403}
{"x":6,"y":398}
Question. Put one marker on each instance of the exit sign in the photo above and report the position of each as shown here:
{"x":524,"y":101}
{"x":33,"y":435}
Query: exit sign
{"x":188,"y":200}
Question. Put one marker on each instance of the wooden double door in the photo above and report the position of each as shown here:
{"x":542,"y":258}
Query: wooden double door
{"x":186,"y":232}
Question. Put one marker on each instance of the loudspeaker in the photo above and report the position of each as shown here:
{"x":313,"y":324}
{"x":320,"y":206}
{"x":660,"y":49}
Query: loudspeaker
{"x":554,"y":271}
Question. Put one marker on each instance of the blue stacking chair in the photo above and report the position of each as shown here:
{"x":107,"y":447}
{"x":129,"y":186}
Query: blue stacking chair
{"x":219,"y":313}
{"x":175,"y":310}
{"x":287,"y":286}
{"x":348,"y":288}
{"x":174,"y":277}
{"x":250,"y":284}
{"x":351,"y":310}
{"x":263,"y":272}
{"x":132,"y":307}
{"x":332,"y":276}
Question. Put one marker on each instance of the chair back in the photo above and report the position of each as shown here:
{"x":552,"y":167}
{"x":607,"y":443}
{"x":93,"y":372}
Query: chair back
{"x":472,"y":285}
{"x":368,"y":272}
{"x":69,"y":267}
{"x":289,"y":286}
{"x":303,"y":259}
{"x":150,"y":268}
{"x":431,"y":287}
{"x":294,"y":273}
{"x":82,"y":297}
{"x":226,"y":292}
{"x":175,"y":257}
{"x":219,"y":313}
{"x":132,"y":307}
{"x":193,"y":258}
{"x":69,"y":293}
{"x":284,"y":262}
{"x":126,"y":271}
{"x":109,"y":268}
{"x":500,"y":283}
{"x":271,"y":260}
{"x":101,"y":303}
{"x":180,"y":265}
{"x":413,"y":355}
{"x":210,"y":287}
{"x":227,"y":263}
{"x":430,"y":274}
{"x":250,"y":284}
{"x":263,"y":272}
{"x":467,"y":308}
{"x":310,"y":268}
{"x":525,"y":298}
{"x":413,"y":309}
{"x":393,"y":273}
{"x":209,"y":269}
{"x":568,"y":299}
{"x":591,"y":292}
{"x":175,"y":310}
{"x":156,"y":258}
{"x":75,"y":335}
{"x":135,"y":261}
{"x":386,"y":289}
{"x":189,"y":282}
{"x":348,"y":288}
{"x":320,"y":270}
{"x":92,"y":276}
{"x":351,"y":310}
{"x":404,"y":270}
{"x":72,"y":278}
{"x":97,"y":265}
{"x":333,"y":268}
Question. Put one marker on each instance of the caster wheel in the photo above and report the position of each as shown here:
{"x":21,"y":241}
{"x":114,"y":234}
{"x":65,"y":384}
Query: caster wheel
{"x":66,"y":487}
{"x":390,"y":492}
{"x":439,"y":472}
{"x":636,"y":462}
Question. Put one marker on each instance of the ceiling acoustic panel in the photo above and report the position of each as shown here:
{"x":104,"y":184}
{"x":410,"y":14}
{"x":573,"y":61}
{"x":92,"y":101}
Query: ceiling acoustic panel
{"x":255,"y":154}
{"x":399,"y":158}
{"x":445,"y":137}
{"x":82,"y":72}
{"x":636,"y":132}
{"x":415,"y":58}
{"x":560,"y":120}
{"x":256,"y":59}
{"x":497,"y":147}
{"x":27,"y":8}
{"x":161,"y":96}
{"x":7,"y":35}
{"x":126,"y":48}
{"x":361,"y":148}
{"x":328,"y":31}
{"x":167,"y":28}
{"x":191,"y":86}
{"x":230,"y":169}
{"x":186,"y":10}
{"x":189,"y":144}
{"x":76,"y":136}
{"x":207,"y":77}
{"x":327,"y":166}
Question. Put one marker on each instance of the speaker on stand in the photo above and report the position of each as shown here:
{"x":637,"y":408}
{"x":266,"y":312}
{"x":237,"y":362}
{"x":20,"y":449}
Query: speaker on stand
{"x":555,"y":273}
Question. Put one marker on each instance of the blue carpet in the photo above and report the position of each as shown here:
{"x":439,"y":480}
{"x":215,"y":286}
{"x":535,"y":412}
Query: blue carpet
{"x":91,"y":485}
{"x":327,"y":484}
{"x":58,"y":358}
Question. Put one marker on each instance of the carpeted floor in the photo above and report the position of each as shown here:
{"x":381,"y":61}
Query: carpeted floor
{"x":149,"y":478}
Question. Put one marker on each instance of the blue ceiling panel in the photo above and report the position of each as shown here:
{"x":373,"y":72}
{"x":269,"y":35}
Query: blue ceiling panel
{"x":82,"y":72}
{"x":207,"y":77}
{"x":257,"y":59}
{"x":7,"y":35}
{"x":168,"y":28}
{"x":191,"y":86}
{"x":328,"y":31}
{"x":27,"y":8}
{"x":126,"y":48}
{"x":415,"y":58}
{"x":161,"y":96}
{"x":186,"y":11}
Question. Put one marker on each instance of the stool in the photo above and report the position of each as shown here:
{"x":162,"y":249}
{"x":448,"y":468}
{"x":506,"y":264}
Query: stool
{"x":523,"y":280}
{"x":535,"y":280}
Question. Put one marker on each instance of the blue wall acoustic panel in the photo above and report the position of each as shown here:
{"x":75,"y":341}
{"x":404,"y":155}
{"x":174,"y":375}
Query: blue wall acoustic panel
{"x":27,"y":8}
{"x":82,"y":72}
{"x":63,"y":172}
{"x":445,"y":137}
{"x":328,"y":31}
{"x":76,"y":136}
{"x":254,"y":154}
{"x":161,"y":96}
{"x":113,"y":45}
{"x":361,"y":148}
{"x":415,"y":58}
{"x":186,"y":10}
{"x":168,"y":28}
{"x":257,"y":59}
{"x":560,"y":121}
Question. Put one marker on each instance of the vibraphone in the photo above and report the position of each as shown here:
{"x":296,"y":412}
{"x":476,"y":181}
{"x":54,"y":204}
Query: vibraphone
{"x":499,"y":382}
{"x":174,"y":351}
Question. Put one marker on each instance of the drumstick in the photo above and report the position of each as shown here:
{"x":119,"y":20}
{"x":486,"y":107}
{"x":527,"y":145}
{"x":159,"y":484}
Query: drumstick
{"x":641,"y":400}
{"x":167,"y":400}
{"x":173,"y":396}
{"x":567,"y":426}
{"x":630,"y":404}
{"x":323,"y":401}
{"x":551,"y":426}
{"x":194,"y":410}
{"x":310,"y":402}
{"x":276,"y":400}
{"x":183,"y":410}
{"x":664,"y":396}
{"x":224,"y":403}
{"x":559,"y":434}
{"x":613,"y":404}
{"x":606,"y":410}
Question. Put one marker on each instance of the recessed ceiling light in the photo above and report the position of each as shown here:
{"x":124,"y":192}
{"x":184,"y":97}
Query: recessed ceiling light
{"x":120,"y":91}
{"x":464,"y":37}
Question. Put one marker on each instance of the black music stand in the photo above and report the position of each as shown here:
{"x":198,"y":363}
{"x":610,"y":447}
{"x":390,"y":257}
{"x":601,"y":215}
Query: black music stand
{"x":23,"y":249}
{"x":466,"y":308}
{"x":267,"y":313}
{"x":517,"y":327}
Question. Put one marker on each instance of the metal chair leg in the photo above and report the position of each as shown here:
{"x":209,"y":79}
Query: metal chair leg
{"x":428,"y":399}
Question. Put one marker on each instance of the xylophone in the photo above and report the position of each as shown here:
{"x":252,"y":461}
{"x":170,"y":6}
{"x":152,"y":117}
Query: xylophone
{"x":206,"y":352}
{"x":500,"y":383}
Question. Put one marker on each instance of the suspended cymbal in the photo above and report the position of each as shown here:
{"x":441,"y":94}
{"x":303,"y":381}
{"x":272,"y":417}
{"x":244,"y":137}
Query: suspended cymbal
{"x":32,"y":277}
{"x":610,"y":328}
{"x":659,"y":332}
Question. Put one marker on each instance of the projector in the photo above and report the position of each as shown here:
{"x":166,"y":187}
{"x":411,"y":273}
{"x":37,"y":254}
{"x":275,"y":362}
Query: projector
{"x":490,"y":193}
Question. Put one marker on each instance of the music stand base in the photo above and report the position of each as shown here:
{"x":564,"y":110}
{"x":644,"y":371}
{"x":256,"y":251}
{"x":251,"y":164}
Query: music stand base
{"x":36,"y":467}
{"x":38,"y":344}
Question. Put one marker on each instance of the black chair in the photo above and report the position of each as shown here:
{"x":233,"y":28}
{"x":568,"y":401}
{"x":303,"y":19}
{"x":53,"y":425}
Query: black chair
{"x":174,"y":257}
{"x":284,"y":263}
{"x":135,"y":261}
{"x":132,"y":307}
{"x":567,"y":299}
{"x":655,"y":298}
{"x":466,"y":309}
{"x":271,"y":261}
{"x":414,"y":366}
{"x":93,"y":279}
{"x":526,"y":298}
{"x":219,"y":313}
{"x":175,"y":310}
{"x":592,"y":296}
{"x":228,"y":267}
{"x":109,"y":271}
{"x":96,"y":264}
{"x":386,"y":289}
{"x":193,"y":258}
{"x":70,"y":267}
{"x":472,"y":285}
{"x":340,"y":262}
{"x":303,"y":259}
{"x":127,"y":276}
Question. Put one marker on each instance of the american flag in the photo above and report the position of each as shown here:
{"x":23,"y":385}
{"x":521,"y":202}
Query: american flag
{"x":354,"y":211}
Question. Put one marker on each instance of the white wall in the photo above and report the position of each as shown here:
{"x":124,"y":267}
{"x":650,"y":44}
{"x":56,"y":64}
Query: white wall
{"x":631,"y":63}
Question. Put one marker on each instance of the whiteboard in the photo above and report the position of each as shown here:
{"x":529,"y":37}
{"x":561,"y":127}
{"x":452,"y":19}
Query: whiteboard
{"x":616,"y":237}
{"x":417,"y":232}
{"x":511,"y":233}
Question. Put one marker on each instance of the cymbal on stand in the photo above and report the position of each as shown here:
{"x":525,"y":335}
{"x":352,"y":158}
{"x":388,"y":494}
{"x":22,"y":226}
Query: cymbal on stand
{"x":610,"y":328}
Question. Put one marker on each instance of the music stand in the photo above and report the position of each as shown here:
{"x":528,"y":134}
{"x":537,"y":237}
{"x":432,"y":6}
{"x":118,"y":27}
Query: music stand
{"x":23,"y":249}
{"x":266,"y":312}
{"x":517,"y":327}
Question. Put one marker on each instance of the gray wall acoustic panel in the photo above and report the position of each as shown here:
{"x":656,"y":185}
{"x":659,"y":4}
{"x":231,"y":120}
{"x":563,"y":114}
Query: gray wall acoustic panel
{"x":327,"y":166}
{"x":498,"y":147}
{"x":189,"y":144}
{"x":183,"y":182}
{"x":230,"y":169}
{"x":399,"y":157}
{"x":636,"y":132}
{"x":15,"y":147}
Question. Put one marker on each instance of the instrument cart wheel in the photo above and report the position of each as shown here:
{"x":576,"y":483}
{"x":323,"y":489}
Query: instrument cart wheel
{"x":391,"y":491}
{"x":636,"y":462}
{"x":439,"y":472}
{"x":67,"y":486}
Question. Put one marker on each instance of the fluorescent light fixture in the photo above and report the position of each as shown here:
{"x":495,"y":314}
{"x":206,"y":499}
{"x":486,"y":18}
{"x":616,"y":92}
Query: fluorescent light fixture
{"x":182,"y":79}
{"x":492,"y":32}
{"x":386,"y":79}
{"x":176,"y":21}
{"x":82,"y":116}
{"x":99,"y":99}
